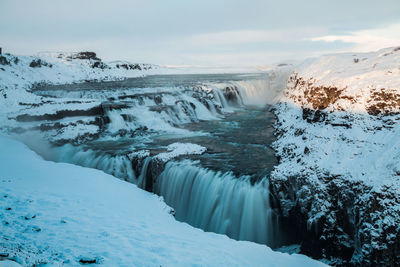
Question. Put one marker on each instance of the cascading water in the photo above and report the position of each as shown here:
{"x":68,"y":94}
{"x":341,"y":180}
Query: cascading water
{"x":219,"y":202}
{"x":149,"y":118}
{"x":118,"y":165}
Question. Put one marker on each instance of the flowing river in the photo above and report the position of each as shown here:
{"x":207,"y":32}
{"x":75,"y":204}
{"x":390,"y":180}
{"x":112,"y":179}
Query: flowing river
{"x":223,"y":190}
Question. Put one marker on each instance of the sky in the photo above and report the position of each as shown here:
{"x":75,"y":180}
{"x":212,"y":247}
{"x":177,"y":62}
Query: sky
{"x":205,"y":32}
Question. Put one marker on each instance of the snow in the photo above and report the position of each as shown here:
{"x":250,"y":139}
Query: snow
{"x":18,"y":77}
{"x":8,"y":263}
{"x":368,"y":149}
{"x":357,"y":74}
{"x":348,"y":146}
{"x":179,"y":149}
{"x":61,"y":213}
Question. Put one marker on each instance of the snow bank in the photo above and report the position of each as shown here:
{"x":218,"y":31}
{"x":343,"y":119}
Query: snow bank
{"x":61,"y":213}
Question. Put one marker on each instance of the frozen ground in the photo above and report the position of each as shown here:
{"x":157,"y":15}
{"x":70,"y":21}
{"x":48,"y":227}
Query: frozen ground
{"x":62,"y":213}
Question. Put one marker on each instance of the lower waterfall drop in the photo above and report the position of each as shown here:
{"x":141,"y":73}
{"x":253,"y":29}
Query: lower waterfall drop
{"x":220,"y":202}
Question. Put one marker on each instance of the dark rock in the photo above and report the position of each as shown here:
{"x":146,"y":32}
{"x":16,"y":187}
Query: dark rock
{"x":154,"y":170}
{"x":332,"y":217}
{"x":99,"y":65}
{"x":36,"y":229}
{"x":299,"y":131}
{"x":88,"y":260}
{"x":312,"y":116}
{"x":4,"y":61}
{"x":60,"y":114}
{"x":341,"y":125}
{"x":232,"y":95}
{"x":85,"y":55}
{"x":134,"y":66}
{"x":158,"y":99}
{"x":172,"y":212}
{"x":38,"y":63}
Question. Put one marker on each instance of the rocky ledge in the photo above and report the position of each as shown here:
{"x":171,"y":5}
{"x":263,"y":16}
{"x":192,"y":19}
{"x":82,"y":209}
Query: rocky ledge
{"x":337,"y":184}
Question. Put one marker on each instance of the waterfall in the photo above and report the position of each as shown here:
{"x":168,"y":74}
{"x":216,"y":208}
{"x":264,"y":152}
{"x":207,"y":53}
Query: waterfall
{"x":141,"y":180}
{"x":117,"y":165}
{"x":213,"y":201}
{"x":219,"y":202}
{"x":251,"y":91}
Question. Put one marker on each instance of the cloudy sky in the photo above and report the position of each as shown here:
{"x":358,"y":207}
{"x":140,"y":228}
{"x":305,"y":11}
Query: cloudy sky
{"x":204,"y":32}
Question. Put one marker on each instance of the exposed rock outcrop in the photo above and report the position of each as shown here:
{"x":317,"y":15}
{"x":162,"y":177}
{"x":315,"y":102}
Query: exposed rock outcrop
{"x":38,"y":63}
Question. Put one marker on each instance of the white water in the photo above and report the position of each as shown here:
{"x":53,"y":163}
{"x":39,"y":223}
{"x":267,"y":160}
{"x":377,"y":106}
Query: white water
{"x":213,"y":201}
{"x":219,"y":202}
{"x":254,"y":91}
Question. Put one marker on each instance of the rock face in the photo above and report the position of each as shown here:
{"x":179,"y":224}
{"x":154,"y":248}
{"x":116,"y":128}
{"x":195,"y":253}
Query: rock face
{"x":128,"y":66}
{"x":4,"y":61}
{"x":84,"y":55}
{"x":232,"y":95}
{"x":383,"y":101}
{"x":337,"y":183}
{"x":38,"y":63}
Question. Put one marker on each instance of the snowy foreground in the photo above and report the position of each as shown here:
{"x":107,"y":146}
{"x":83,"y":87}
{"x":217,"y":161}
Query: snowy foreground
{"x":62,"y":213}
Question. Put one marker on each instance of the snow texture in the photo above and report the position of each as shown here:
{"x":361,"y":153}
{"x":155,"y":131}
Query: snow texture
{"x":65,"y":214}
{"x":179,"y":149}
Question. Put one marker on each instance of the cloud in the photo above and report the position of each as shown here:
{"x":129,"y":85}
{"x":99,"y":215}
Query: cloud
{"x":239,"y":37}
{"x":367,"y":40}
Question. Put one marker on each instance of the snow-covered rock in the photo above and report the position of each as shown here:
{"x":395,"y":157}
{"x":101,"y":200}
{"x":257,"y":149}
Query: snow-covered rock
{"x":19,"y":73}
{"x":338,"y":177}
{"x":178,"y":149}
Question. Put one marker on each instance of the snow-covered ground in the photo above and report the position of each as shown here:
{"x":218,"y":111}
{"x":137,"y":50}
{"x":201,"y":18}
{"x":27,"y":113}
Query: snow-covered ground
{"x":63,"y":214}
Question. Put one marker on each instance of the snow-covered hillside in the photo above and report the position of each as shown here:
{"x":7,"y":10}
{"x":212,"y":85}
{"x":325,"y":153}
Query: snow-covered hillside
{"x":338,"y":142}
{"x":66,"y":214}
{"x":19,"y":73}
